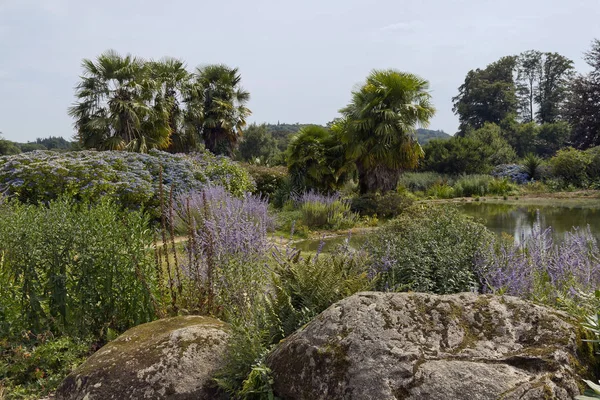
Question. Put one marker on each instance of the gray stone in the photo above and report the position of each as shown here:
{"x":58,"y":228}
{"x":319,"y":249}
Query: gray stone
{"x":172,"y":358}
{"x":421,"y":346}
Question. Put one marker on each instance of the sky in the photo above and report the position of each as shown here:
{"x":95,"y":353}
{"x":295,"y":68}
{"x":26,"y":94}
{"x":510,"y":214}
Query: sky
{"x":299,"y":60}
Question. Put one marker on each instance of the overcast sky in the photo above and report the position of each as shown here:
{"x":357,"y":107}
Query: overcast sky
{"x":299,"y":59}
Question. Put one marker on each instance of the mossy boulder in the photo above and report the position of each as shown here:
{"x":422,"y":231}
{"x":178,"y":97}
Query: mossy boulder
{"x":172,"y":358}
{"x":422,"y":346}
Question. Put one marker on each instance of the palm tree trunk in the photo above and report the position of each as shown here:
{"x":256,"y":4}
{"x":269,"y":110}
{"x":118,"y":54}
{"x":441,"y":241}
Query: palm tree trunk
{"x":377,"y":179}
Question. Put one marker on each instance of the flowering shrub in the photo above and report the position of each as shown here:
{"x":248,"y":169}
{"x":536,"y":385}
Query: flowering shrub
{"x":227,"y":247}
{"x":516,"y":173}
{"x":540,"y":269}
{"x":132,"y":179}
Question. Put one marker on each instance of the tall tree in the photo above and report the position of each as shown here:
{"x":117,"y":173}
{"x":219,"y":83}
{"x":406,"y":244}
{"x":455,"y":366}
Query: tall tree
{"x":217,"y":89}
{"x":583,"y":105}
{"x":542,"y":82}
{"x":116,"y":107}
{"x":556,"y":73}
{"x":173,"y":83}
{"x":528,"y":77}
{"x":487,"y":95}
{"x":378,"y":127}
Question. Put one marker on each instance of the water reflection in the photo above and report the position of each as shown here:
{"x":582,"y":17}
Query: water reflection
{"x":517,"y":220}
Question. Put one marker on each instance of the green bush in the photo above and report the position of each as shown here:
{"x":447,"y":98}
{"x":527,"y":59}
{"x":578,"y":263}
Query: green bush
{"x":428,"y":249}
{"x":75,"y":269}
{"x":268,"y":180}
{"x":532,"y":164}
{"x":130,"y":179}
{"x":593,"y":168}
{"x":388,"y":205}
{"x":571,"y":165}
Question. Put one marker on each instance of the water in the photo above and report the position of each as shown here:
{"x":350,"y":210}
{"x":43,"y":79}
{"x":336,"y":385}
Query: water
{"x":512,"y":217}
{"x":516,"y":218}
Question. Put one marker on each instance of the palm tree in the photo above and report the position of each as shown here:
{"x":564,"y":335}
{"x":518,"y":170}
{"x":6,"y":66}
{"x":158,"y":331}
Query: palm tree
{"x":174,"y":83}
{"x":217,"y":92}
{"x":316,"y":159}
{"x":117,"y":108}
{"x":378,"y":127}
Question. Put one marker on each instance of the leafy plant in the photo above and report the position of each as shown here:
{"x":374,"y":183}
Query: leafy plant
{"x":428,"y":249}
{"x":532,"y":164}
{"x":325,"y":211}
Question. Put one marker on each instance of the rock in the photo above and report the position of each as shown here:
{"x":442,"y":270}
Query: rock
{"x":172,"y":358}
{"x":422,"y":346}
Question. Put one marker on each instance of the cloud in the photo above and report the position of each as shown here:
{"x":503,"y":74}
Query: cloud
{"x":402,"y":26}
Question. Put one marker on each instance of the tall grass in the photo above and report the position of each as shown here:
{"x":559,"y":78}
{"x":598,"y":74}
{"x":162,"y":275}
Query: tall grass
{"x":325,"y":211}
{"x":423,"y":181}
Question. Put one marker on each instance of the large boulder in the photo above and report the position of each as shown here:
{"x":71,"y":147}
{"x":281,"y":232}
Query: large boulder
{"x":421,"y":346}
{"x":173,"y":358}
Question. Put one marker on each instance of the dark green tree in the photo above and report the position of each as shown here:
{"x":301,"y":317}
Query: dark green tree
{"x":316,"y":160}
{"x":217,"y":92}
{"x":487,"y":95}
{"x":582,"y":109}
{"x":556,"y":74}
{"x":258,"y":144}
{"x":378,"y":127}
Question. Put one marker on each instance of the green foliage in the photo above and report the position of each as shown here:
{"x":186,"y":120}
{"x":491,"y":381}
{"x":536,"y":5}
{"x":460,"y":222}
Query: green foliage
{"x":258,"y":145}
{"x":425,"y":135}
{"x":75,"y":269}
{"x":428,"y":249}
{"x":570,"y":165}
{"x":387,"y":205}
{"x":532,"y":164}
{"x":378,"y":127}
{"x":305,"y":287}
{"x":441,"y":191}
{"x":268,"y":180}
{"x":475,"y":153}
{"x":316,"y":160}
{"x":487,"y":96}
{"x":38,"y":366}
{"x":219,"y":105}
{"x":581,"y":109}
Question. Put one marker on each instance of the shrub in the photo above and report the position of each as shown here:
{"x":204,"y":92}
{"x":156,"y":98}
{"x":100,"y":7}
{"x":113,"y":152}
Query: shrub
{"x":226,"y":249}
{"x":388,"y":205}
{"x":325,"y":211}
{"x":501,"y":187}
{"x":268,"y":180}
{"x":75,"y":269}
{"x":516,"y":173}
{"x":428,"y":249}
{"x":593,"y":168}
{"x":131,"y":179}
{"x":571,"y":165}
{"x":542,"y":270}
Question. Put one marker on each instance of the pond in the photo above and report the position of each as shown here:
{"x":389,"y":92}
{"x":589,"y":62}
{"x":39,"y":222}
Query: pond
{"x":513,"y":217}
{"x":516,"y":218}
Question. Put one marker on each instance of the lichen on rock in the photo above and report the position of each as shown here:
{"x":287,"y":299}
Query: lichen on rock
{"x":423,"y":346}
{"x":172,"y":358}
